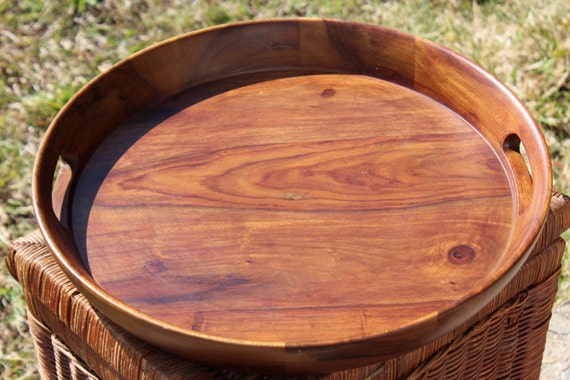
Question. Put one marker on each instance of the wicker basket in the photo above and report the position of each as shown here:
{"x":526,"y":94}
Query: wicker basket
{"x":505,"y":340}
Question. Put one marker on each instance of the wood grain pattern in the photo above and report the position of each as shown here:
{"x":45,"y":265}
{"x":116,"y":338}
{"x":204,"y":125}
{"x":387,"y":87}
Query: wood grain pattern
{"x":293,"y":195}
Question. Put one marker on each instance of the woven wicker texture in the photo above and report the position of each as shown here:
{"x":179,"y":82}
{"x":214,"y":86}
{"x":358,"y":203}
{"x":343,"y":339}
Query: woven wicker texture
{"x":55,"y":358}
{"x":505,"y":340}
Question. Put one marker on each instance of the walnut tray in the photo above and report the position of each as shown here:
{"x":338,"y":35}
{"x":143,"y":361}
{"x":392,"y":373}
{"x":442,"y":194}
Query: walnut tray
{"x":292,"y":195}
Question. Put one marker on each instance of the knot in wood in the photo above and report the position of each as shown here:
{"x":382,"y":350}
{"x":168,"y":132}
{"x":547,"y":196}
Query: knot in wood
{"x":328,"y":92}
{"x":461,"y":254}
{"x":154,"y":266}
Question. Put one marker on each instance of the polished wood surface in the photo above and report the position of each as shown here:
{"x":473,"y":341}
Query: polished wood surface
{"x":292,"y":195}
{"x":292,"y":204}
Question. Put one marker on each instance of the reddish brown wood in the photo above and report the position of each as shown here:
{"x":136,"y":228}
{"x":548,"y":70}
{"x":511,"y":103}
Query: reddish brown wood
{"x":293,"y":195}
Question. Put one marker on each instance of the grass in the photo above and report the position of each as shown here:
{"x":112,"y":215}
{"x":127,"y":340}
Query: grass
{"x":52,"y":49}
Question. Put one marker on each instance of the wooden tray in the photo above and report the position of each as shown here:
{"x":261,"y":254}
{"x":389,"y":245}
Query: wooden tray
{"x":292,"y":195}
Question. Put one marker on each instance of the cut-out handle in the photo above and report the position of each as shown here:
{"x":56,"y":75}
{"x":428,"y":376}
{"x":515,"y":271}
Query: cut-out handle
{"x":516,"y":155}
{"x":61,"y":184}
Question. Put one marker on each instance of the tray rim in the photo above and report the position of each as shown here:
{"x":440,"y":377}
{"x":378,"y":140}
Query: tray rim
{"x":53,"y":232}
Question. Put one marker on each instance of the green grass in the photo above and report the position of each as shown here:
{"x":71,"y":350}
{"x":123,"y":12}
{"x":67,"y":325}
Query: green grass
{"x":51,"y":49}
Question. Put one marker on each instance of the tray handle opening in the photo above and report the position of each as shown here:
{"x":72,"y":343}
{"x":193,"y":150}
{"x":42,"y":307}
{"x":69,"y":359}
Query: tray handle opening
{"x":61,"y":188}
{"x":518,"y":159}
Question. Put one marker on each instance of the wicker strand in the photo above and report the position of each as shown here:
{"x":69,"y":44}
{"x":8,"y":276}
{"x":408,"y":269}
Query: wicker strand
{"x":68,"y":366}
{"x":41,"y":336}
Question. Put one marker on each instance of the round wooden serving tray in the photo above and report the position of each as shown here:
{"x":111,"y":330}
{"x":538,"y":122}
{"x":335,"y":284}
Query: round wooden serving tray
{"x":292,"y":195}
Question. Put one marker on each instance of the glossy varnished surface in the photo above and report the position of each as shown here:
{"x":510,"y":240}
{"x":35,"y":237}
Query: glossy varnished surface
{"x":292,"y":195}
{"x":301,"y":210}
